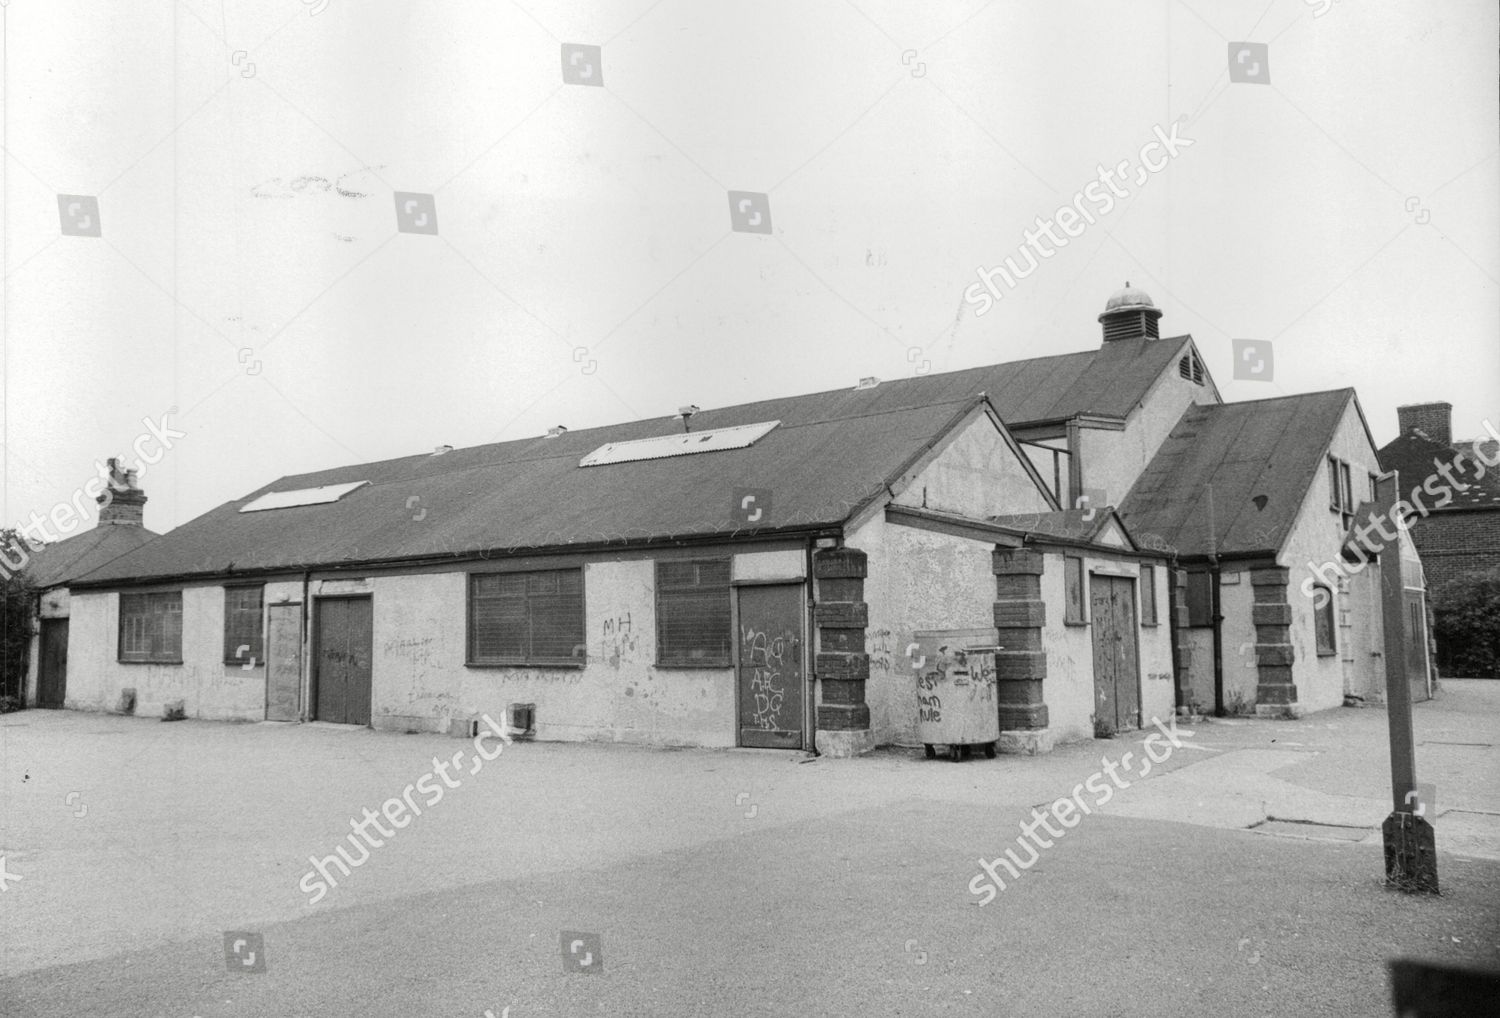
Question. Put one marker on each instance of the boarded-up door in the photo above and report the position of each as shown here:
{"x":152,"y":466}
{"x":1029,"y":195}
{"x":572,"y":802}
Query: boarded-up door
{"x":52,"y":669}
{"x":1117,"y":677}
{"x":770,"y":666}
{"x":1416,"y":644}
{"x":284,"y":663}
{"x":341,"y":659}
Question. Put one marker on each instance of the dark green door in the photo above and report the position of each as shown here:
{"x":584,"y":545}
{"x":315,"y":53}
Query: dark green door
{"x":342,"y":660}
{"x":770,"y":672}
{"x":1117,"y":675}
{"x":52,"y":671}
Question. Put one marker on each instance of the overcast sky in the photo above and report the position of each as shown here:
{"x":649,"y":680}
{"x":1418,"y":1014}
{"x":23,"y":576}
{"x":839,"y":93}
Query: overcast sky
{"x":250,"y":282}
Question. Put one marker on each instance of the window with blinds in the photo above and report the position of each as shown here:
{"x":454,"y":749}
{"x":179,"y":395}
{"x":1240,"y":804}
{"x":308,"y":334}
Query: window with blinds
{"x":527,"y":618}
{"x":243,"y":627}
{"x":692,"y":613}
{"x":151,"y":627}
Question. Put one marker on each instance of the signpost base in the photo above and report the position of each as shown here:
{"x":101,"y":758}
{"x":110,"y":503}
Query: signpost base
{"x":1410,"y":853}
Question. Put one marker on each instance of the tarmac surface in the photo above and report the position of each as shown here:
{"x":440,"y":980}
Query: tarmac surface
{"x":1241,"y":876}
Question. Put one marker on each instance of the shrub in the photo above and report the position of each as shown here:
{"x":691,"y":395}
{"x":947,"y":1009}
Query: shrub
{"x":1466,"y":622}
{"x":17,"y":608}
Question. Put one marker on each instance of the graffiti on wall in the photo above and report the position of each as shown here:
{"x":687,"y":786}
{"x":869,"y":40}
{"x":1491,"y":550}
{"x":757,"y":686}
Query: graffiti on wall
{"x":878,"y":646}
{"x":766,"y":656}
{"x":417,"y":650}
{"x":617,"y":641}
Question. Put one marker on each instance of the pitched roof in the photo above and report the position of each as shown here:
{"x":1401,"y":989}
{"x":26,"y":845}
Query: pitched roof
{"x":1234,"y":454}
{"x":813,"y":470}
{"x":1417,"y":458}
{"x":1110,"y":381}
{"x":53,"y":565}
{"x":1078,"y":526}
{"x":832,"y":451}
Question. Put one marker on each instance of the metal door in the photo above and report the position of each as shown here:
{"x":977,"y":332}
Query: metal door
{"x":284,"y":663}
{"x":1117,"y":677}
{"x":52,"y":670}
{"x":770,"y":672}
{"x":341,"y":661}
{"x":1416,"y":644}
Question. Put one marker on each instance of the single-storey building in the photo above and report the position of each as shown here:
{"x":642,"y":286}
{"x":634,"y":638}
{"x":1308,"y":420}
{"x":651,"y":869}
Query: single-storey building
{"x":760,"y":575}
{"x":52,"y":566}
{"x":1268,"y":507}
{"x":778,"y":573}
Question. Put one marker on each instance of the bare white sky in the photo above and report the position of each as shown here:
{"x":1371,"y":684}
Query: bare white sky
{"x":249,"y":271}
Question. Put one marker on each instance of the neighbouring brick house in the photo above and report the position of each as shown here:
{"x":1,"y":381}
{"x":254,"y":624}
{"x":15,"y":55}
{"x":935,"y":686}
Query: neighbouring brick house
{"x":1455,"y":485}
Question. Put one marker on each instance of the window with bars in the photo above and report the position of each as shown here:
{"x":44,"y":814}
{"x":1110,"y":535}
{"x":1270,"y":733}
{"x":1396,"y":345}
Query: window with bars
{"x":243,"y":626}
{"x":533,"y":618}
{"x":1148,"y":595}
{"x":151,"y":627}
{"x":692,"y":613}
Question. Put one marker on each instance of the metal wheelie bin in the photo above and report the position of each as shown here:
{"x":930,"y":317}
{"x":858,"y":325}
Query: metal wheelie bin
{"x":956,"y":700}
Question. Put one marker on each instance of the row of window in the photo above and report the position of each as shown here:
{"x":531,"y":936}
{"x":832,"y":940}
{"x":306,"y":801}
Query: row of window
{"x":530,"y":618}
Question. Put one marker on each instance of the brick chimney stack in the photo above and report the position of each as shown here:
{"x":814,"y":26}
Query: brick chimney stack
{"x":1433,"y":420}
{"x":123,"y":503}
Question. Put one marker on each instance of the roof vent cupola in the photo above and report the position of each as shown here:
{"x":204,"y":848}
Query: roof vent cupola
{"x":1130,"y":314}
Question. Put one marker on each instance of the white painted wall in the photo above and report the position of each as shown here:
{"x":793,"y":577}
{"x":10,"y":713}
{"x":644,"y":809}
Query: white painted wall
{"x":918,"y":580}
{"x":977,"y":475}
{"x":421,"y":680}
{"x":1114,"y":460}
{"x":1069,"y":686}
{"x":209,"y":688}
{"x":1315,"y":542}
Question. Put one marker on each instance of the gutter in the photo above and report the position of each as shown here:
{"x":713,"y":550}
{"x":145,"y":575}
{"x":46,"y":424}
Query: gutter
{"x":812,"y":531}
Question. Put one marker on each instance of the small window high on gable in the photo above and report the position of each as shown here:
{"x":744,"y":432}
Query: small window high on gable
{"x":1191,"y":368}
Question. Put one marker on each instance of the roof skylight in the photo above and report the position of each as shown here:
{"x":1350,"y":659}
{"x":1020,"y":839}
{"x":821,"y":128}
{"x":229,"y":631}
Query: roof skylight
{"x":300,"y":496}
{"x":715,"y":440}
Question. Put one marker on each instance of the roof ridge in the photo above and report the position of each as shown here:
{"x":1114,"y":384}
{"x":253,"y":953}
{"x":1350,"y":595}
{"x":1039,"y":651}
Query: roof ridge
{"x":542,"y":458}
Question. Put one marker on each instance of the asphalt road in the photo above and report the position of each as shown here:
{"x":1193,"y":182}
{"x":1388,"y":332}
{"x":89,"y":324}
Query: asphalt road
{"x":739,"y":883}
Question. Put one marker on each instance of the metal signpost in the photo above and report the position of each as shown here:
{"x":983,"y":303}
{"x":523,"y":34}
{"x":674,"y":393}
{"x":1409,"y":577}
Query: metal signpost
{"x":1410,"y":846}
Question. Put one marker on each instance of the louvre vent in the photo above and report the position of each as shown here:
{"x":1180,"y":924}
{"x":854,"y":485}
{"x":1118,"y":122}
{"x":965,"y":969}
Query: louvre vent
{"x":1191,"y":368}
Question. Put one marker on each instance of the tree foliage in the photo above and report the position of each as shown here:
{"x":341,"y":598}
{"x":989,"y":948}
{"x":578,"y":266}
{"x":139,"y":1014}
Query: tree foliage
{"x":17,"y":618}
{"x":1466,"y":617}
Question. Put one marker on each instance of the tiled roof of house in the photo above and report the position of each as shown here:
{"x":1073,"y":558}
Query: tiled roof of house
{"x":1418,"y":458}
{"x":53,"y":565}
